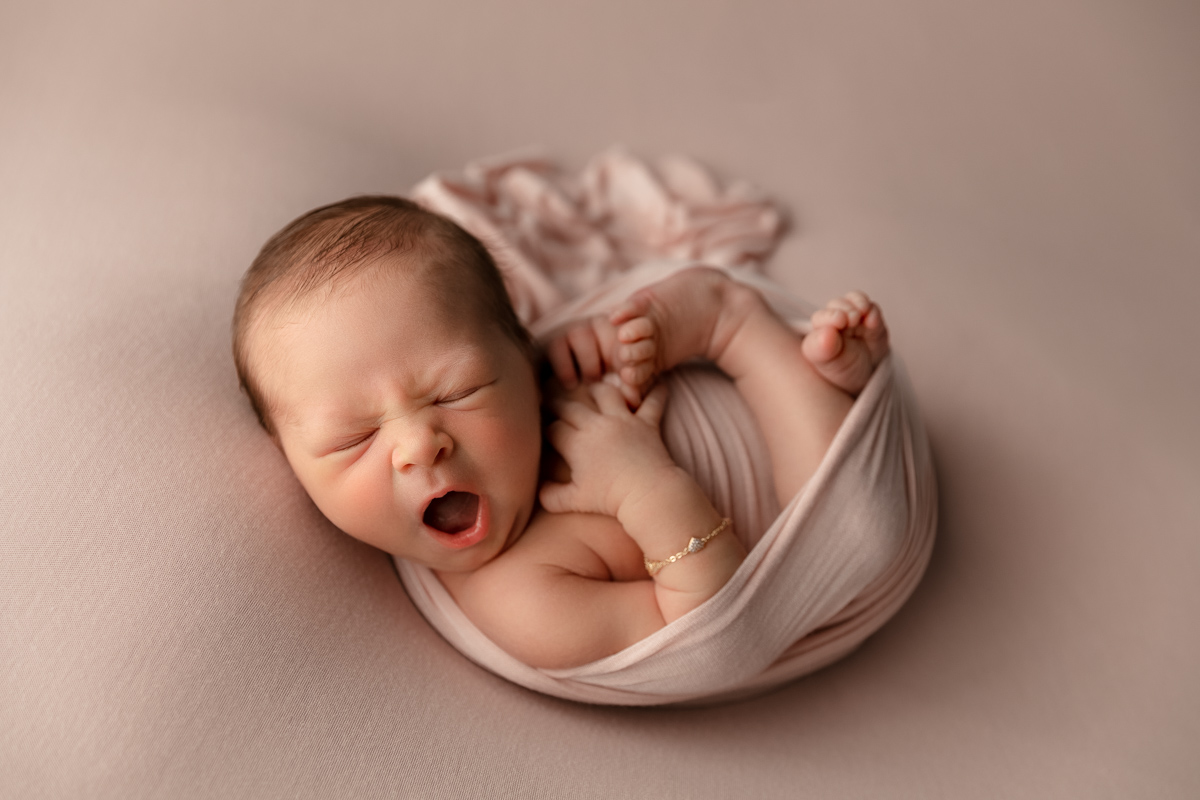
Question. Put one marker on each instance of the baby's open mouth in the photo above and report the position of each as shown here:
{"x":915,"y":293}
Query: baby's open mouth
{"x":453,"y":512}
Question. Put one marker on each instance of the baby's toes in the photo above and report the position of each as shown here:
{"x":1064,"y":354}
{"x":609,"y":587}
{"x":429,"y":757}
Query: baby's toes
{"x":639,"y":362}
{"x":636,"y":329}
{"x":637,"y":306}
{"x":875,"y":333}
{"x":855,"y":304}
{"x":638,"y":375}
{"x":822,"y":345}
{"x":831,"y":318}
{"x":638,"y":351}
{"x":859,"y":301}
{"x":872,"y":321}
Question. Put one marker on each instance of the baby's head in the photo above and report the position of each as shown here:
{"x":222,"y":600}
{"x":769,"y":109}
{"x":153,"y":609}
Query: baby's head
{"x":380,"y":350}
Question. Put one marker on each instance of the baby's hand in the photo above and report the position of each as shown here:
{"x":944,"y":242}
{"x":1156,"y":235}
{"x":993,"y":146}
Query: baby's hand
{"x":589,"y":351}
{"x":613,"y":453}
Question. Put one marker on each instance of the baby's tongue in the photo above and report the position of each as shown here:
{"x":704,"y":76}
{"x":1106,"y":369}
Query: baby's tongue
{"x":453,"y":512}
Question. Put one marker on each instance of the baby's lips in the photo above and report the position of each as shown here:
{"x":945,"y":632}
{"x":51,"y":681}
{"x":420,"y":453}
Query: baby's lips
{"x":452,"y":512}
{"x":473,"y":534}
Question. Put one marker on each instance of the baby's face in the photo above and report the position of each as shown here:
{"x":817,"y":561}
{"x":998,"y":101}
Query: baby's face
{"x":413,"y":428}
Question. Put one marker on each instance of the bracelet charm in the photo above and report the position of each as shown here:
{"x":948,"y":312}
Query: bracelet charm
{"x":694,"y":545}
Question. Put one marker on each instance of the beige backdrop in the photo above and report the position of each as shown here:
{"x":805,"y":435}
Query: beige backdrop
{"x":1017,"y":183}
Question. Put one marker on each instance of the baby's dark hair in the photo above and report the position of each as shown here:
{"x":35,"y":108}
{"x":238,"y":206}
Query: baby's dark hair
{"x":342,"y":239}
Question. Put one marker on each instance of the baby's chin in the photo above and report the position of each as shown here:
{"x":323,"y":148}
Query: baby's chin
{"x":461,"y":563}
{"x":465,"y":564}
{"x":454,"y":561}
{"x":435,"y":558}
{"x":501,"y":539}
{"x":444,"y":541}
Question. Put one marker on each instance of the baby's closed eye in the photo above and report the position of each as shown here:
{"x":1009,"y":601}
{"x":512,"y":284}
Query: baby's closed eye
{"x":458,"y":398}
{"x":351,"y":442}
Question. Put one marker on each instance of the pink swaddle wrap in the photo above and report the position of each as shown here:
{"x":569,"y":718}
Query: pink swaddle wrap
{"x":823,"y":573}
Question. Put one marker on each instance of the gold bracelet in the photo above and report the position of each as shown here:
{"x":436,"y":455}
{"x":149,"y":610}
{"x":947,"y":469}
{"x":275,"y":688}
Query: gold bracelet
{"x":693,"y":546}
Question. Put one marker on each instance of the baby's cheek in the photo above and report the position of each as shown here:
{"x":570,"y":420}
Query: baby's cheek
{"x":360,"y":505}
{"x":515,"y":446}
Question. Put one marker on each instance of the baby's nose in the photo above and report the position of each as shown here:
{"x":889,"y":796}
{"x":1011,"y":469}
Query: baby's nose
{"x":421,"y":446}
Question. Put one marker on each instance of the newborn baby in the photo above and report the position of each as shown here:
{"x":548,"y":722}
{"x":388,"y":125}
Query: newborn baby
{"x":380,"y":351}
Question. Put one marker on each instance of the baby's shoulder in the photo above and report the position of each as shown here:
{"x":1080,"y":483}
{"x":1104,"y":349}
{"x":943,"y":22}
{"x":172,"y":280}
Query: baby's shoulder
{"x":531,"y":598}
{"x":590,"y":546}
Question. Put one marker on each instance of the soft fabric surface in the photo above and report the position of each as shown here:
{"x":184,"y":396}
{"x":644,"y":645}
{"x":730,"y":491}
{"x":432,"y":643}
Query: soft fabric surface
{"x":821,"y":574}
{"x":1016,"y":183}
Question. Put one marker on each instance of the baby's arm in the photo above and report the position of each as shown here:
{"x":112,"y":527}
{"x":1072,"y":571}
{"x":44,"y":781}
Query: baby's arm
{"x":554,"y":603}
{"x":574,"y":588}
{"x":800,"y":388}
{"x":620,"y":467}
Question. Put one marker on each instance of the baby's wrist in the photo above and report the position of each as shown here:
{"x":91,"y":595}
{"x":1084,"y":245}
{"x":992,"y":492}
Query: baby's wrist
{"x":664,"y":505}
{"x":647,"y":486}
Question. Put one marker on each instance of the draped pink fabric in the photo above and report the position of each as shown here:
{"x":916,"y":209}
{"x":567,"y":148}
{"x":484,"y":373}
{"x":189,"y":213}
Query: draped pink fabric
{"x":824,"y":572}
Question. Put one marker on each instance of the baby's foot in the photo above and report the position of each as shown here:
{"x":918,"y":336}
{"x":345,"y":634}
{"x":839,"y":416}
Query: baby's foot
{"x":693,"y":313}
{"x":848,"y":339}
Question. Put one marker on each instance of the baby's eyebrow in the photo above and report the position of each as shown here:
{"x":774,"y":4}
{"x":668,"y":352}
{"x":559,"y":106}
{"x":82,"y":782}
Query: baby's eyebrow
{"x":327,"y":430}
{"x":365,"y":421}
{"x":343,"y":426}
{"x":325,"y":427}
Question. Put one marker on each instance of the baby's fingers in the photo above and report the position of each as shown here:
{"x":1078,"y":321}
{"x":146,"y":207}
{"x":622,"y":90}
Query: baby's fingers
{"x":652,"y":407}
{"x":628,"y":389}
{"x":558,"y":353}
{"x":586,"y":349}
{"x":571,"y":412}
{"x":609,"y":397}
{"x":558,"y":434}
{"x":557,"y":498}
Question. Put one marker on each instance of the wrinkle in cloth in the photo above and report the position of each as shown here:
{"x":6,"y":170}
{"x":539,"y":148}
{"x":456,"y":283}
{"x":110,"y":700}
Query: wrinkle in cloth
{"x":822,"y":573}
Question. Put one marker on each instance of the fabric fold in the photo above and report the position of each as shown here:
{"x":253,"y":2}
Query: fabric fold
{"x":824,"y":572}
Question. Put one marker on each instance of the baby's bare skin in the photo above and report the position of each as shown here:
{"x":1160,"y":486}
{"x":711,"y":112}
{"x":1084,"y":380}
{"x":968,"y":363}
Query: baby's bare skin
{"x":574,"y":588}
{"x":799,"y":388}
